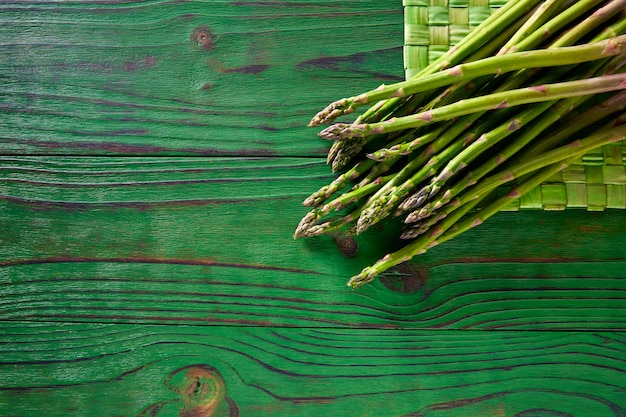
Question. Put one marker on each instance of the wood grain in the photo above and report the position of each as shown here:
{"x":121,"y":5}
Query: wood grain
{"x":193,"y":77}
{"x":124,"y":370}
{"x":209,"y":241}
{"x":153,"y":158}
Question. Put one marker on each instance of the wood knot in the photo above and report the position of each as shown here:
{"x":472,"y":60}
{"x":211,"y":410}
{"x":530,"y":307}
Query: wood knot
{"x":346,"y":244}
{"x":202,"y":393}
{"x":203,"y":37}
{"x":405,"y":278}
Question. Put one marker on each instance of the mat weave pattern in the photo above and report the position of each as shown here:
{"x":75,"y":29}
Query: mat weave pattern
{"x":431,"y":27}
{"x":596,"y":182}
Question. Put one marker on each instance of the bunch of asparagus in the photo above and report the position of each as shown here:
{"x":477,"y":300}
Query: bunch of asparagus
{"x":529,"y":91}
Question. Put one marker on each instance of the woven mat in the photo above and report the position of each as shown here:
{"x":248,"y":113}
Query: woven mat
{"x":596,"y":182}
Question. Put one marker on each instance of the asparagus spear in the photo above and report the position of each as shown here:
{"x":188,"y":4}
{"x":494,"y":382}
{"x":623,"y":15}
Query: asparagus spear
{"x":387,"y":198}
{"x":478,"y":218}
{"x":467,"y":71}
{"x":556,"y":24}
{"x":448,"y":107}
{"x":437,"y":154}
{"x":339,"y":203}
{"x":494,"y":101}
{"x":576,"y":148}
{"x":420,"y":245}
{"x":548,"y":118}
{"x":510,"y":15}
{"x":595,"y":20}
{"x":338,"y":183}
{"x":358,"y":170}
{"x":406,"y":148}
{"x":613,"y":104}
{"x":487,"y":140}
{"x":544,"y":12}
{"x":465,"y":157}
{"x":479,"y":44}
{"x":523,"y":118}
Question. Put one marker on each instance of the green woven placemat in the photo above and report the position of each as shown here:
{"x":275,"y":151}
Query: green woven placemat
{"x":431,"y":27}
{"x":596,"y":182}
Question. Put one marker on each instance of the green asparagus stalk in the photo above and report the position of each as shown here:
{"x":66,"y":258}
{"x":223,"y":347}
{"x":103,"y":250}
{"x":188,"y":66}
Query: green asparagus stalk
{"x":348,"y":105}
{"x":547,"y":119}
{"x":556,"y":24}
{"x":523,"y":188}
{"x":383,"y":203}
{"x":552,"y":140}
{"x":329,"y":226}
{"x":529,"y":184}
{"x":343,"y":151}
{"x":412,"y":249}
{"x":450,"y":142}
{"x":357,"y":171}
{"x":386,"y":200}
{"x":324,"y":193}
{"x":523,"y":118}
{"x":406,"y":148}
{"x":495,"y":101}
{"x":511,"y":14}
{"x":576,"y":32}
{"x":595,"y":20}
{"x":576,"y":148}
{"x":579,"y":30}
{"x":614,"y":29}
{"x":493,"y":65}
{"x":337,"y":204}
{"x":613,"y":104}
{"x":415,"y":201}
{"x":419,"y":117}
{"x":487,"y":140}
{"x":420,"y":245}
{"x":544,"y":12}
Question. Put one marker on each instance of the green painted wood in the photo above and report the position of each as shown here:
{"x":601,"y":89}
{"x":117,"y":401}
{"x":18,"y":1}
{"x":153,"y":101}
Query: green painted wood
{"x":193,"y":77}
{"x":136,"y":286}
{"x":209,"y":241}
{"x":126,"y":370}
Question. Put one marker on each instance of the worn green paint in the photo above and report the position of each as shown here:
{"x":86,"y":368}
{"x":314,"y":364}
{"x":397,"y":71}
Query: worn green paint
{"x":149,"y":189}
{"x":130,"y":78}
{"x":106,"y":370}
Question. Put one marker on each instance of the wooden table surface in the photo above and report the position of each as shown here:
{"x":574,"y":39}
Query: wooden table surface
{"x":153,"y":158}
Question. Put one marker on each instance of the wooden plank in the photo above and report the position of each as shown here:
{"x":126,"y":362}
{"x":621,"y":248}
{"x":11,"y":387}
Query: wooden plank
{"x":192,"y":77}
{"x":96,"y":370}
{"x":209,"y":241}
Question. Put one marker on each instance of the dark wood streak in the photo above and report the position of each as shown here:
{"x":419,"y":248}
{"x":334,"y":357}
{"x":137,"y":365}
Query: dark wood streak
{"x":541,"y":412}
{"x":353,"y":349}
{"x":336,"y":63}
{"x":616,"y":409}
{"x":212,"y":282}
{"x":140,"y":205}
{"x":197,"y":262}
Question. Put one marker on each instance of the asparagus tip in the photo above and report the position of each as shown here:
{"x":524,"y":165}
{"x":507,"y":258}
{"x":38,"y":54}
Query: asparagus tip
{"x":371,"y":215}
{"x":364,"y":277}
{"x":340,"y":131}
{"x":317,"y":197}
{"x":331,"y":112}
